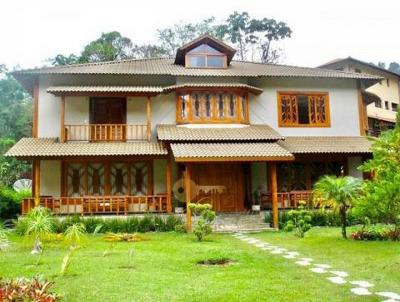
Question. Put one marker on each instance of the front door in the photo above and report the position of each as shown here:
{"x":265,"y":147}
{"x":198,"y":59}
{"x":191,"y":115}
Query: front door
{"x":222,"y":184}
{"x":108,"y":118}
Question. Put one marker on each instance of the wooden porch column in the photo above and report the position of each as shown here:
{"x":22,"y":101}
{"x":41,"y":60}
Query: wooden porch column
{"x":148,"y":105}
{"x":62,"y":119}
{"x":274,"y":193}
{"x":187,"y":198}
{"x":36,"y":181}
{"x":35,"y":109}
{"x":168,"y":184}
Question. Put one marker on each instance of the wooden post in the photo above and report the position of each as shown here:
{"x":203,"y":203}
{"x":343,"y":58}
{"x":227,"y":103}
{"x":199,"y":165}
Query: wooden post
{"x":168,"y":184}
{"x":187,"y":197}
{"x":274,"y":193}
{"x":62,"y":119}
{"x":362,"y":115}
{"x":35,"y":109}
{"x":148,"y":118}
{"x":36,"y":181}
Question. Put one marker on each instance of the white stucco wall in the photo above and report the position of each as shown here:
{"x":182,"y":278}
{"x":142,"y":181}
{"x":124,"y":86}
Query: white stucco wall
{"x":163,"y":111}
{"x":49,"y":111}
{"x":353,"y":163}
{"x":136,"y":110}
{"x":76,"y":110}
{"x":50,"y":178}
{"x":342,"y":100}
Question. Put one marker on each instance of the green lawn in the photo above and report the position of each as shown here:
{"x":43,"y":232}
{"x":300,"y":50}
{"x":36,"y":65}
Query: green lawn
{"x":165,"y":269}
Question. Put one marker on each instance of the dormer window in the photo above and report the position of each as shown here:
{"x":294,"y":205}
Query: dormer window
{"x":204,"y":56}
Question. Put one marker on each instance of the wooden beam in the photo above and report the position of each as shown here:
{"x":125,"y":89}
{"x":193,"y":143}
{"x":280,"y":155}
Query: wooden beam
{"x":35,"y":109}
{"x":188,"y":198}
{"x":148,"y":118}
{"x":168,"y":184}
{"x":274,"y":193}
{"x":62,"y":119}
{"x":36,"y":181}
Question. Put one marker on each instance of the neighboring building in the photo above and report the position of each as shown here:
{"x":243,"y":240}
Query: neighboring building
{"x":382,"y":111}
{"x":125,"y":137}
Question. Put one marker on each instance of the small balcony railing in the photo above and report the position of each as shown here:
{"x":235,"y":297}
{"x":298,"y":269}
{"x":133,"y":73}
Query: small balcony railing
{"x":99,"y":205}
{"x":106,"y":132}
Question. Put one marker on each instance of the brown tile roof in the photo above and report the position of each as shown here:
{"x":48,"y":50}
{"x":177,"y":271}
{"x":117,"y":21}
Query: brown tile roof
{"x":245,"y":133}
{"x":49,"y":147}
{"x":135,"y":89}
{"x":163,"y":66}
{"x":250,"y":88}
{"x":326,"y":144}
{"x":229,"y":152}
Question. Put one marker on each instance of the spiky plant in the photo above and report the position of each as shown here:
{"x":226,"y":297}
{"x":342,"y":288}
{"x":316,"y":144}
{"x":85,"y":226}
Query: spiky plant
{"x":75,"y":234}
{"x":338,"y":193}
{"x":39,"y":223}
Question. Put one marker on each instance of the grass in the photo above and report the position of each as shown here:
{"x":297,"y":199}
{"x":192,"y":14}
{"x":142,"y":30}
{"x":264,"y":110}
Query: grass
{"x":164,"y":268}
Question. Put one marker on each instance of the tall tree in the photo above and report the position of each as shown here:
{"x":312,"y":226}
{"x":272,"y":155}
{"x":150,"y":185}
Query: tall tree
{"x":394,"y":67}
{"x":171,"y":38}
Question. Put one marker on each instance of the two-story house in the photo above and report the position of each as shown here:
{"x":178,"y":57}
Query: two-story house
{"x":382,"y":110}
{"x":136,"y":135}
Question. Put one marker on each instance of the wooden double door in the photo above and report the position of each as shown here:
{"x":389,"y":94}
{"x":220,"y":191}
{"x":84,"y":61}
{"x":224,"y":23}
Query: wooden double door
{"x":222,"y":184}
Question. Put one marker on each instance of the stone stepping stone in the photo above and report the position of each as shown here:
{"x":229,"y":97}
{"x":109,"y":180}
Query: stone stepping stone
{"x":340,"y":273}
{"x":253,"y":241}
{"x":318,"y":270}
{"x":361,"y":291}
{"x":276,"y":252}
{"x":389,"y":295}
{"x":293,"y":253}
{"x":268,"y":248}
{"x":260,"y":245}
{"x":390,"y":300}
{"x":362,"y":283}
{"x":337,"y":280}
{"x":289,"y":256}
{"x":307,"y":259}
{"x":322,"y":265}
{"x":303,"y":263}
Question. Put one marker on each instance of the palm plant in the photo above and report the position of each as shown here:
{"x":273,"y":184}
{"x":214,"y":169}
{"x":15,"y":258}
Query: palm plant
{"x":75,"y":234}
{"x":338,"y":193}
{"x":39,"y":223}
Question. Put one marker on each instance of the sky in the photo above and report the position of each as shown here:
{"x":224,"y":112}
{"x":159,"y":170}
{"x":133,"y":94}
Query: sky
{"x":33,"y":31}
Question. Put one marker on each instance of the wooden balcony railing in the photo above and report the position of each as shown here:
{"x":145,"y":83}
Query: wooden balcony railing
{"x":106,"y":132}
{"x":91,"y":205}
{"x":287,"y":200}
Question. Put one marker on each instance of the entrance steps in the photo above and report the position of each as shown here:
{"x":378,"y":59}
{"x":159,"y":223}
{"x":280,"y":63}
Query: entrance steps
{"x":240,"y":222}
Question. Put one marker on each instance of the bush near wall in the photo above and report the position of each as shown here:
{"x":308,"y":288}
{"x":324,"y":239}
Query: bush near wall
{"x":133,"y":224}
{"x":10,"y":202}
{"x":318,"y":218}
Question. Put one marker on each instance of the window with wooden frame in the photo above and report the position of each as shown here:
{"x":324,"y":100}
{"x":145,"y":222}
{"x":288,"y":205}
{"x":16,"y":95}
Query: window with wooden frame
{"x":204,"y":56}
{"x":206,"y":106}
{"x":104,"y":178}
{"x":303,"y":109}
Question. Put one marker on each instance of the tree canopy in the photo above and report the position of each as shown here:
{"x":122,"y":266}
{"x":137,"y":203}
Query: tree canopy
{"x":254,"y":40}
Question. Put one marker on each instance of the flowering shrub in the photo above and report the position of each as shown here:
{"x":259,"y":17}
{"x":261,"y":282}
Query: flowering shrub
{"x":23,"y":289}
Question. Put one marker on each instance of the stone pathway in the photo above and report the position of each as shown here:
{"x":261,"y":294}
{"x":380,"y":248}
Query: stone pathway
{"x":359,"y":287}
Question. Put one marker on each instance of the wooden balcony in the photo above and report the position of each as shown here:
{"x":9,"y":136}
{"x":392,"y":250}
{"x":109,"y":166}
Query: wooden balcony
{"x":287,"y":200}
{"x":106,"y":132}
{"x":99,"y":205}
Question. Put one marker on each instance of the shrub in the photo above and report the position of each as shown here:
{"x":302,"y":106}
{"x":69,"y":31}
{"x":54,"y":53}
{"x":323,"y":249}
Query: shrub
{"x":75,"y":235}
{"x":206,"y":217}
{"x":23,"y":289}
{"x":10,"y":202}
{"x":299,"y":221}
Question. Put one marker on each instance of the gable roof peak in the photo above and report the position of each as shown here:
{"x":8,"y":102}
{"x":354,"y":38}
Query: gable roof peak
{"x":208,"y":39}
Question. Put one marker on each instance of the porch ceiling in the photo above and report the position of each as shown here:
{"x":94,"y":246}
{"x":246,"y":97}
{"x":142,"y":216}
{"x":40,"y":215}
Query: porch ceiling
{"x":60,"y":90}
{"x":211,"y":152}
{"x":212,"y":133}
{"x":326,"y":144}
{"x":50,"y":147}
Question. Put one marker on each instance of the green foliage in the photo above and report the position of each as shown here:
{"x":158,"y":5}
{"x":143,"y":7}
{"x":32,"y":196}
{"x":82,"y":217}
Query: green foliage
{"x":299,"y":220}
{"x":4,"y":241}
{"x":23,"y":289}
{"x":205,"y":217}
{"x":10,"y":202}
{"x":381,"y":201}
{"x":67,"y":261}
{"x":39,"y":223}
{"x":376,"y":233}
{"x":75,"y":234}
{"x":338,"y":193}
{"x":126,"y":237}
{"x":131,"y":224}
